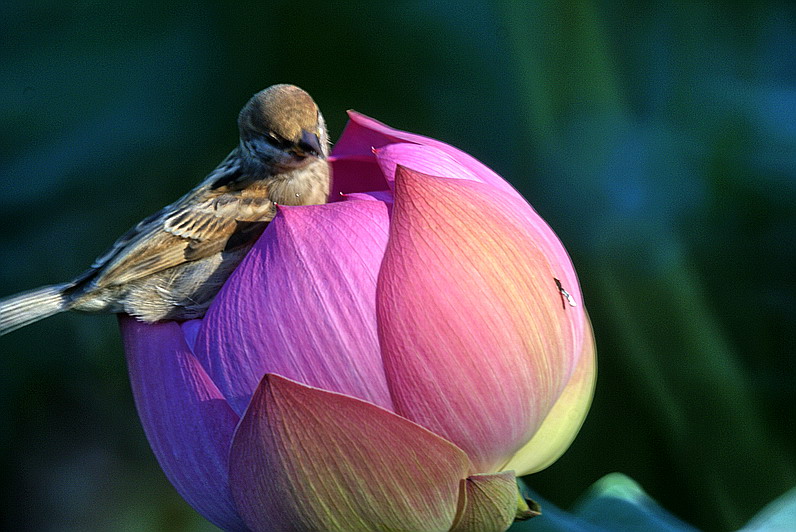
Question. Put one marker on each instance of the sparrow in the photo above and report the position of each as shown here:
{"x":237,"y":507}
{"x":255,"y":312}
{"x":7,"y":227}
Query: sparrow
{"x":172,"y":264}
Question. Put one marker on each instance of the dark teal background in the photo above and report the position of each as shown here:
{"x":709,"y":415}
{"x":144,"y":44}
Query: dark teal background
{"x":659,"y":142}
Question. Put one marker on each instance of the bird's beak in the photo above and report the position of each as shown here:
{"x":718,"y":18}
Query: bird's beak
{"x":309,"y":144}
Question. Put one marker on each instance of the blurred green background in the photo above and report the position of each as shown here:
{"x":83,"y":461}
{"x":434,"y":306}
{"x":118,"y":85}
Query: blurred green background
{"x":658,"y":141}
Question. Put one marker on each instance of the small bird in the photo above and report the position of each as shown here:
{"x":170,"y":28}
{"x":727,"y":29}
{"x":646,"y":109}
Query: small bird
{"x":171,"y":264}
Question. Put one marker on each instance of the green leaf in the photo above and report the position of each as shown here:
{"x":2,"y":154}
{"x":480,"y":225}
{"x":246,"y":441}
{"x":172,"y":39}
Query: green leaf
{"x":777,"y":515}
{"x":614,"y":502}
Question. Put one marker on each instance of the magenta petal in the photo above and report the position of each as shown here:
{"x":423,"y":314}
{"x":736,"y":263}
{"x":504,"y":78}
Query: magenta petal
{"x":355,"y":174}
{"x":425,"y":159}
{"x":362,"y":134}
{"x":435,"y":161}
{"x":186,"y":419}
{"x":301,"y":305}
{"x":384,"y":196}
{"x":477,"y":345}
{"x":354,"y":152}
{"x":308,"y":459}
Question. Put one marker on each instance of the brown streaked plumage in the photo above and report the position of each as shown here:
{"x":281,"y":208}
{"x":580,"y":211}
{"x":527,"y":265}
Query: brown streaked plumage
{"x":172,"y":264}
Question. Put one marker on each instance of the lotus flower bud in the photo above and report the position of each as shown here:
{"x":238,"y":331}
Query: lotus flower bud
{"x":387,"y":361}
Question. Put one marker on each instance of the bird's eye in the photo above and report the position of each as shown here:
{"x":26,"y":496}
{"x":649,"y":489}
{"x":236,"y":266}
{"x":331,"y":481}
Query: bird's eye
{"x":277,"y":141}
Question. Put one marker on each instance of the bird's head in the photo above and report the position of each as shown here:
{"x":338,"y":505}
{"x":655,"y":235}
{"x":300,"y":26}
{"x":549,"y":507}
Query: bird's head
{"x":282,"y":127}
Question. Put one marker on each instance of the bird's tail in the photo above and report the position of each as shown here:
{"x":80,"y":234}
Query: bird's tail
{"x":25,"y":308}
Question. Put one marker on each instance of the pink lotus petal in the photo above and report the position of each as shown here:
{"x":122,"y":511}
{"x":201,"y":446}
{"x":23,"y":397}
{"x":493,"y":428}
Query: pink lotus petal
{"x":301,"y":304}
{"x":434,"y":161}
{"x":564,"y":420}
{"x":362,"y":134}
{"x":355,"y":174}
{"x":308,"y":459}
{"x":186,"y":419}
{"x":424,"y":159}
{"x":190,"y":330}
{"x":488,"y":503}
{"x":476,"y":343}
{"x":384,"y":196}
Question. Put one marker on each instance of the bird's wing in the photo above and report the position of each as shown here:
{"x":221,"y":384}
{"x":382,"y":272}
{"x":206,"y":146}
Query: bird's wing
{"x":189,"y":230}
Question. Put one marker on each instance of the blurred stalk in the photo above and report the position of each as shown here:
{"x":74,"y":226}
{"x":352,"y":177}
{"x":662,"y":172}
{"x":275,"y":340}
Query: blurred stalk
{"x":691,"y":378}
{"x":563,"y":64}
